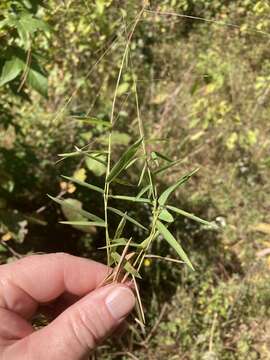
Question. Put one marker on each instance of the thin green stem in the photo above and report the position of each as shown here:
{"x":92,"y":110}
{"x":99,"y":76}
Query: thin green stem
{"x":107,"y":184}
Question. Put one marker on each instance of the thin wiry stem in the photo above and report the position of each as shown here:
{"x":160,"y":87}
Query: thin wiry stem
{"x":107,"y":184}
{"x":217,"y":22}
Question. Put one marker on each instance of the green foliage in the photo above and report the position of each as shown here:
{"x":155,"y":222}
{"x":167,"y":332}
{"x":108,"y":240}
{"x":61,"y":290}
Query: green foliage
{"x":18,"y":27}
{"x":200,"y":87}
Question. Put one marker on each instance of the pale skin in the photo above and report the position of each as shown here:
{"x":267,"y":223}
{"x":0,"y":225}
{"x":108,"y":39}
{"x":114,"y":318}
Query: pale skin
{"x":67,"y":288}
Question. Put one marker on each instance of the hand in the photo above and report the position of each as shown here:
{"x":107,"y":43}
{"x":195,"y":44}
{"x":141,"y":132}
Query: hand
{"x":66,"y":287}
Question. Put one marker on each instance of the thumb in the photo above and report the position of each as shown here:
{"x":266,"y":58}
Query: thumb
{"x":80,"y":328}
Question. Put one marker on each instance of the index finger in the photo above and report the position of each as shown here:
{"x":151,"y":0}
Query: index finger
{"x":38,"y":279}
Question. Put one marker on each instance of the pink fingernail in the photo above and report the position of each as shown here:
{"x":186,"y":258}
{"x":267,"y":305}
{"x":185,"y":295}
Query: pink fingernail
{"x":120,"y":302}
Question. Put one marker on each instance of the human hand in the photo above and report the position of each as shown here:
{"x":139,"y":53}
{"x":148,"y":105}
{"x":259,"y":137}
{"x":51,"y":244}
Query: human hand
{"x":67,"y":287}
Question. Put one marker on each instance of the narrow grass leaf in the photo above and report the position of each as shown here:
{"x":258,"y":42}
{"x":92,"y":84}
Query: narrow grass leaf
{"x":130,"y":198}
{"x":127,"y":266}
{"x":130,"y":219}
{"x":92,"y":121}
{"x":84,"y":223}
{"x":79,"y":153}
{"x":143,"y":191}
{"x":97,"y":158}
{"x":83,"y":183}
{"x":120,"y":227}
{"x":123,"y":161}
{"x":173,"y":242}
{"x":192,"y":217}
{"x":138,"y":304}
{"x":142,"y":174}
{"x":166,"y":167}
{"x":164,"y":196}
{"x":161,"y":156}
{"x":166,"y":216}
{"x":120,"y":242}
{"x":82,"y":212}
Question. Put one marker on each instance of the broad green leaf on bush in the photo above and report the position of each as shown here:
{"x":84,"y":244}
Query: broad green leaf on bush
{"x":117,"y":138}
{"x":32,"y":24}
{"x":80,"y":174}
{"x":165,"y":216}
{"x":3,"y":23}
{"x":122,"y":88}
{"x":100,"y":5}
{"x":3,"y":249}
{"x":168,"y":236}
{"x":11,"y":69}
{"x":27,"y":25}
{"x":100,"y":159}
{"x":191,"y":216}
{"x":83,"y":183}
{"x":95,"y":165}
{"x":165,"y":195}
{"x":123,"y":161}
{"x":72,"y":209}
{"x":130,"y":219}
{"x":37,"y":81}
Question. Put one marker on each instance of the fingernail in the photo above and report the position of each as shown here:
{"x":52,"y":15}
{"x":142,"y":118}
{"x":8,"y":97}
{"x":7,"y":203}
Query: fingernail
{"x":120,"y":302}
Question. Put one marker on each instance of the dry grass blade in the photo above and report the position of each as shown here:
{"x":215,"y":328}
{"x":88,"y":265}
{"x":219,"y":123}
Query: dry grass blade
{"x":140,"y":307}
{"x":164,"y":258}
{"x":121,"y":261}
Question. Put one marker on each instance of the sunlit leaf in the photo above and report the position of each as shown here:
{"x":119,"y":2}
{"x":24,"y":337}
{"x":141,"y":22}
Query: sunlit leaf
{"x":83,"y":223}
{"x":156,"y":154}
{"x":143,"y":191}
{"x":76,"y":209}
{"x":38,"y":81}
{"x":173,"y":242}
{"x":130,"y":198}
{"x":166,"y":167}
{"x":11,"y":69}
{"x":165,"y":216}
{"x":130,"y":219}
{"x":80,"y":174}
{"x":92,"y":121}
{"x":120,"y":227}
{"x":123,"y":161}
{"x":165,"y":195}
{"x":83,"y":183}
{"x":96,"y":164}
{"x":191,"y":216}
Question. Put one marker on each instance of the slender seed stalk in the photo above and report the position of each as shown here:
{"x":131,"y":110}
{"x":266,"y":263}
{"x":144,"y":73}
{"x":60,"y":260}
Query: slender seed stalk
{"x":107,"y":184}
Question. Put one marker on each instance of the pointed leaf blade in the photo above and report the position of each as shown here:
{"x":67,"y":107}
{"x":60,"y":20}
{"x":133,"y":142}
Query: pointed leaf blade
{"x":192,"y":217}
{"x":83,"y":223}
{"x":76,"y":209}
{"x":165,"y":195}
{"x":83,"y":183}
{"x":124,"y":161}
{"x":173,"y":242}
{"x":11,"y":70}
{"x":130,"y":219}
{"x":166,"y":216}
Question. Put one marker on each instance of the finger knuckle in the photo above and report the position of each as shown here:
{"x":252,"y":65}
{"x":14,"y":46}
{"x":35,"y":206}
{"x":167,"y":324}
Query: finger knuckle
{"x":84,"y":329}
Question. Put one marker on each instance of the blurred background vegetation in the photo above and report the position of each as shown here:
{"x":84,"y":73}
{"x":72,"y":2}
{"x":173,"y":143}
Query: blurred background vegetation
{"x":203,"y":77}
